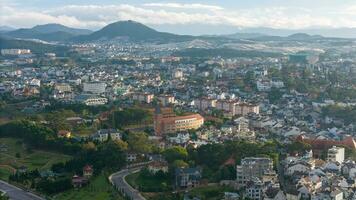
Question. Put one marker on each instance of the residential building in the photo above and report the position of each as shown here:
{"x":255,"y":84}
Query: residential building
{"x":94,"y":87}
{"x":103,"y":135}
{"x":252,"y":167}
{"x":91,"y":100}
{"x":166,"y":100}
{"x":142,"y":97}
{"x":336,"y":154}
{"x":205,"y":103}
{"x":187,"y":177}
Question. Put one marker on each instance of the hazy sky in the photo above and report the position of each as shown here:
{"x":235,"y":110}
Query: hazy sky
{"x":93,"y":14}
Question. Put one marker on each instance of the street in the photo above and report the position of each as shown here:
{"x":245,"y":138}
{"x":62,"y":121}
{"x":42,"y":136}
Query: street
{"x":16,"y":193}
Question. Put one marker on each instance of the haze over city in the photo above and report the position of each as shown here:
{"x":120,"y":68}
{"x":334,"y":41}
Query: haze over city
{"x":178,"y":100}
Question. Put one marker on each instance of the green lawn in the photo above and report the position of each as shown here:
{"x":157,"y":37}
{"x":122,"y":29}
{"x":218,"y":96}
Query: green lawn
{"x":149,"y":183}
{"x":31,"y":159}
{"x":98,"y":189}
{"x":5,"y":173}
{"x":211,"y":192}
{"x":131,"y":179}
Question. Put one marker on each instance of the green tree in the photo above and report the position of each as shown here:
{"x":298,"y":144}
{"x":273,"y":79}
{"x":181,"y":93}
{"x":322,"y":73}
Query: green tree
{"x":138,"y":142}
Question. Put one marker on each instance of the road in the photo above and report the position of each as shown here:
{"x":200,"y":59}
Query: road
{"x":118,"y":180}
{"x":16,"y":193}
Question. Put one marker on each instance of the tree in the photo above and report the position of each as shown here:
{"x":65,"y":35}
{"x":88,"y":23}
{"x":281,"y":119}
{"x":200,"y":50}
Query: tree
{"x":122,"y":144}
{"x":175,"y":153}
{"x":138,"y":142}
{"x":179,"y":164}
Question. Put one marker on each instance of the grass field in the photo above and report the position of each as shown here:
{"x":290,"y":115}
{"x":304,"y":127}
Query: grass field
{"x":211,"y":192}
{"x":98,"y":189}
{"x":17,"y":156}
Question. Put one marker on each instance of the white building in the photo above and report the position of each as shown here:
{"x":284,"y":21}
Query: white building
{"x":336,"y":154}
{"x":91,"y":100}
{"x":14,"y":52}
{"x":103,"y":135}
{"x":94,"y":87}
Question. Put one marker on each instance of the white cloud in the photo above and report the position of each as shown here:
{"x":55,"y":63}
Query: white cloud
{"x":96,"y":16}
{"x":185,"y":6}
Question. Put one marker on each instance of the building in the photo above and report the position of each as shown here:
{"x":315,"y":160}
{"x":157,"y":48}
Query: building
{"x":88,"y":171}
{"x":252,"y":167}
{"x":94,"y":87}
{"x":254,"y":189}
{"x":227,"y":106}
{"x":14,"y":52}
{"x":166,"y":100}
{"x":142,"y":97}
{"x":177,"y":74}
{"x":205,"y":103}
{"x":165,"y":121}
{"x":157,"y":166}
{"x":336,"y":154}
{"x":246,"y":108}
{"x":64,"y":134}
{"x":187,"y":177}
{"x":63,"y":87}
{"x":91,"y":100}
{"x":103,"y":135}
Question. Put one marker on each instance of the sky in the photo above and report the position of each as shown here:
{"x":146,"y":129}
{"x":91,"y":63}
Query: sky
{"x":187,"y":17}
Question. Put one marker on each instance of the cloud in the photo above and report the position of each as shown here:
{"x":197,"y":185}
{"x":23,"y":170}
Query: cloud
{"x":97,"y":16}
{"x":184,"y":6}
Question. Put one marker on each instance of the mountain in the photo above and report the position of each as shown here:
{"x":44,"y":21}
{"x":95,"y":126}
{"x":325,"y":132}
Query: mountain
{"x":51,"y":28}
{"x":35,"y":47}
{"x":133,"y":31}
{"x":325,"y":32}
{"x":47,"y":32}
{"x":244,"y":35}
{"x":4,"y":29}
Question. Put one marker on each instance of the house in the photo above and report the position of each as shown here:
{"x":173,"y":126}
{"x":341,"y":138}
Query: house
{"x":88,"y":171}
{"x":63,"y":134}
{"x":157,"y":166}
{"x":78,"y":181}
{"x":254,"y":189}
{"x":131,"y":157}
{"x":187,"y":177}
{"x":103,"y":135}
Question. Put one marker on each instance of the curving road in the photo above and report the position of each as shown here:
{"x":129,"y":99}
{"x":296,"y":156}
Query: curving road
{"x":16,"y":193}
{"x":118,"y":180}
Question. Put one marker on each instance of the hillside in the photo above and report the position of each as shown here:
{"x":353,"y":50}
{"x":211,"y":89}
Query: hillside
{"x":47,"y":32}
{"x":132,"y":31}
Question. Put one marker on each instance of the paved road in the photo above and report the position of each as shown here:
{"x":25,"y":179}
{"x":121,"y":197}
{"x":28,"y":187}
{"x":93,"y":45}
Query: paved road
{"x":118,"y":180}
{"x":16,"y":193}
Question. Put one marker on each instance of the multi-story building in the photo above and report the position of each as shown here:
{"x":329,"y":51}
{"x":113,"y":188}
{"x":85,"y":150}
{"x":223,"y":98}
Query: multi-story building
{"x":63,"y":87}
{"x":166,"y":100}
{"x":91,"y":100}
{"x":205,"y":103}
{"x":187,"y":177}
{"x":254,"y":189}
{"x":142,"y":97}
{"x":94,"y":87}
{"x":246,"y":108}
{"x":14,"y":52}
{"x":103,"y":135}
{"x":165,"y":121}
{"x":227,"y":106}
{"x":252,"y":167}
{"x":336,"y":154}
{"x":177,"y":74}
